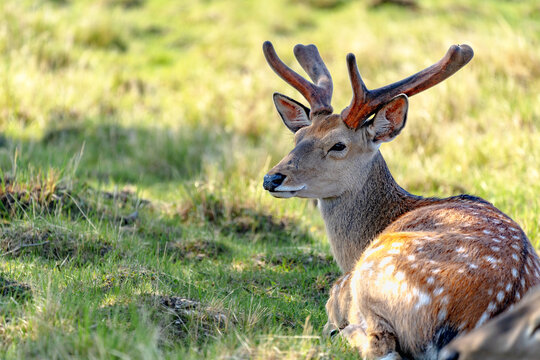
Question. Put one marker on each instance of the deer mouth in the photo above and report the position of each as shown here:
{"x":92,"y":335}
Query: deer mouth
{"x":284,"y":191}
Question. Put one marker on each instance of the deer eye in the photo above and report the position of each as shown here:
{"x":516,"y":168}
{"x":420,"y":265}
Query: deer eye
{"x":338,"y":147}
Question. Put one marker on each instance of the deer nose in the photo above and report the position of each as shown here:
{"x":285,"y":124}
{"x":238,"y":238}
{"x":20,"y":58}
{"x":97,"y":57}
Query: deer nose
{"x":272,"y":181}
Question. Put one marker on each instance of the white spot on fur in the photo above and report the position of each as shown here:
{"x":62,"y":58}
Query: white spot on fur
{"x":403,"y":287}
{"x":515,"y":257}
{"x":495,"y":248}
{"x":496,"y":240}
{"x":527,"y":270}
{"x":495,"y":221}
{"x":461,"y":271}
{"x":518,"y":296}
{"x":514,"y":272}
{"x":436,"y":271}
{"x":423,"y":300}
{"x":508,"y":287}
{"x":389,"y":269}
{"x":430,"y":280}
{"x":462,"y":326}
{"x":442,"y":314}
{"x":385,"y":261}
{"x":514,"y":229}
{"x":473,"y":266}
{"x":460,"y":249}
{"x":500,"y":296}
{"x":516,"y":246}
{"x":487,"y":232}
{"x":397,"y":244}
{"x":411,"y":257}
{"x":482,"y":320}
{"x":393,"y":251}
{"x":515,"y":237}
{"x":366,"y":265}
{"x":491,"y":306}
{"x":490,"y":292}
{"x":522,"y":282}
{"x":491,"y":259}
{"x":445,"y":299}
{"x":368,"y":252}
{"x":438,"y":291}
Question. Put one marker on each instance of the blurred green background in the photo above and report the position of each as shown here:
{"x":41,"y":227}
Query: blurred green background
{"x":134,"y":135}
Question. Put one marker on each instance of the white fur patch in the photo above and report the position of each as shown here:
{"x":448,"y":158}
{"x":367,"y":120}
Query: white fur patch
{"x":442,"y":314}
{"x":500,"y":296}
{"x":514,"y":272}
{"x":389,"y":269}
{"x":423,"y":300}
{"x":372,"y":250}
{"x":482,"y":320}
{"x":385,"y":261}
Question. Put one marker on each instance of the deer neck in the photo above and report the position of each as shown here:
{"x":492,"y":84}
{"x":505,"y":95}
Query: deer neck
{"x":356,"y":217}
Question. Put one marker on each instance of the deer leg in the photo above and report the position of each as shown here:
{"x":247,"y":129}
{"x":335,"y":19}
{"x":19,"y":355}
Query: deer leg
{"x":373,"y":343}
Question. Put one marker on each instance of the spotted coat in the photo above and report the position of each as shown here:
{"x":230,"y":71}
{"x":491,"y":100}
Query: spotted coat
{"x":435,"y":272}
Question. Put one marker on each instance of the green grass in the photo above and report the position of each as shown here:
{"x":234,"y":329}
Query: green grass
{"x":134,"y":135}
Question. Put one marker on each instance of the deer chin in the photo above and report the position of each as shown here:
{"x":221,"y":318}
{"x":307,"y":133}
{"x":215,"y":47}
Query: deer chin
{"x":284,"y":191}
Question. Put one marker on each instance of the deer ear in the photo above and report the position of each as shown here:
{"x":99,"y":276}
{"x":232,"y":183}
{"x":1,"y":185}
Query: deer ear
{"x":294,"y":115}
{"x":390,"y":119}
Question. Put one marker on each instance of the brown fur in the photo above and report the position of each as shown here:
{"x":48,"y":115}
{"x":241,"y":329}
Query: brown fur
{"x":514,"y":335}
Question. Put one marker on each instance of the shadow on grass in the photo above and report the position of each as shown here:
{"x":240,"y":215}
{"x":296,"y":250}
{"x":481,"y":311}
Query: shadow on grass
{"x":136,"y":154}
{"x":14,"y":289}
{"x":53,"y":243}
{"x":244,"y":221}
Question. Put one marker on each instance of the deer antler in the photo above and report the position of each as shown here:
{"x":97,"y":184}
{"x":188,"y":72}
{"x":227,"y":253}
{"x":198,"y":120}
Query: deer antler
{"x":318,"y":93}
{"x":365,"y":102}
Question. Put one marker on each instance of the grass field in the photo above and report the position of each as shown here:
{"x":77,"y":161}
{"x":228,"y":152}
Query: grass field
{"x":134,"y":135}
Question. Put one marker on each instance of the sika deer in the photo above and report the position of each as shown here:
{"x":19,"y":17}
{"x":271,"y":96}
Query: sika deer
{"x":419,"y":270}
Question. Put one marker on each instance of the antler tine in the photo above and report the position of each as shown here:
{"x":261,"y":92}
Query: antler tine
{"x":366,"y":102}
{"x":310,"y":60}
{"x":360,"y":91}
{"x":318,"y":96}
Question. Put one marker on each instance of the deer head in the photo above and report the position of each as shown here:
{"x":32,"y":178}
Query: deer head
{"x":333,"y":152}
